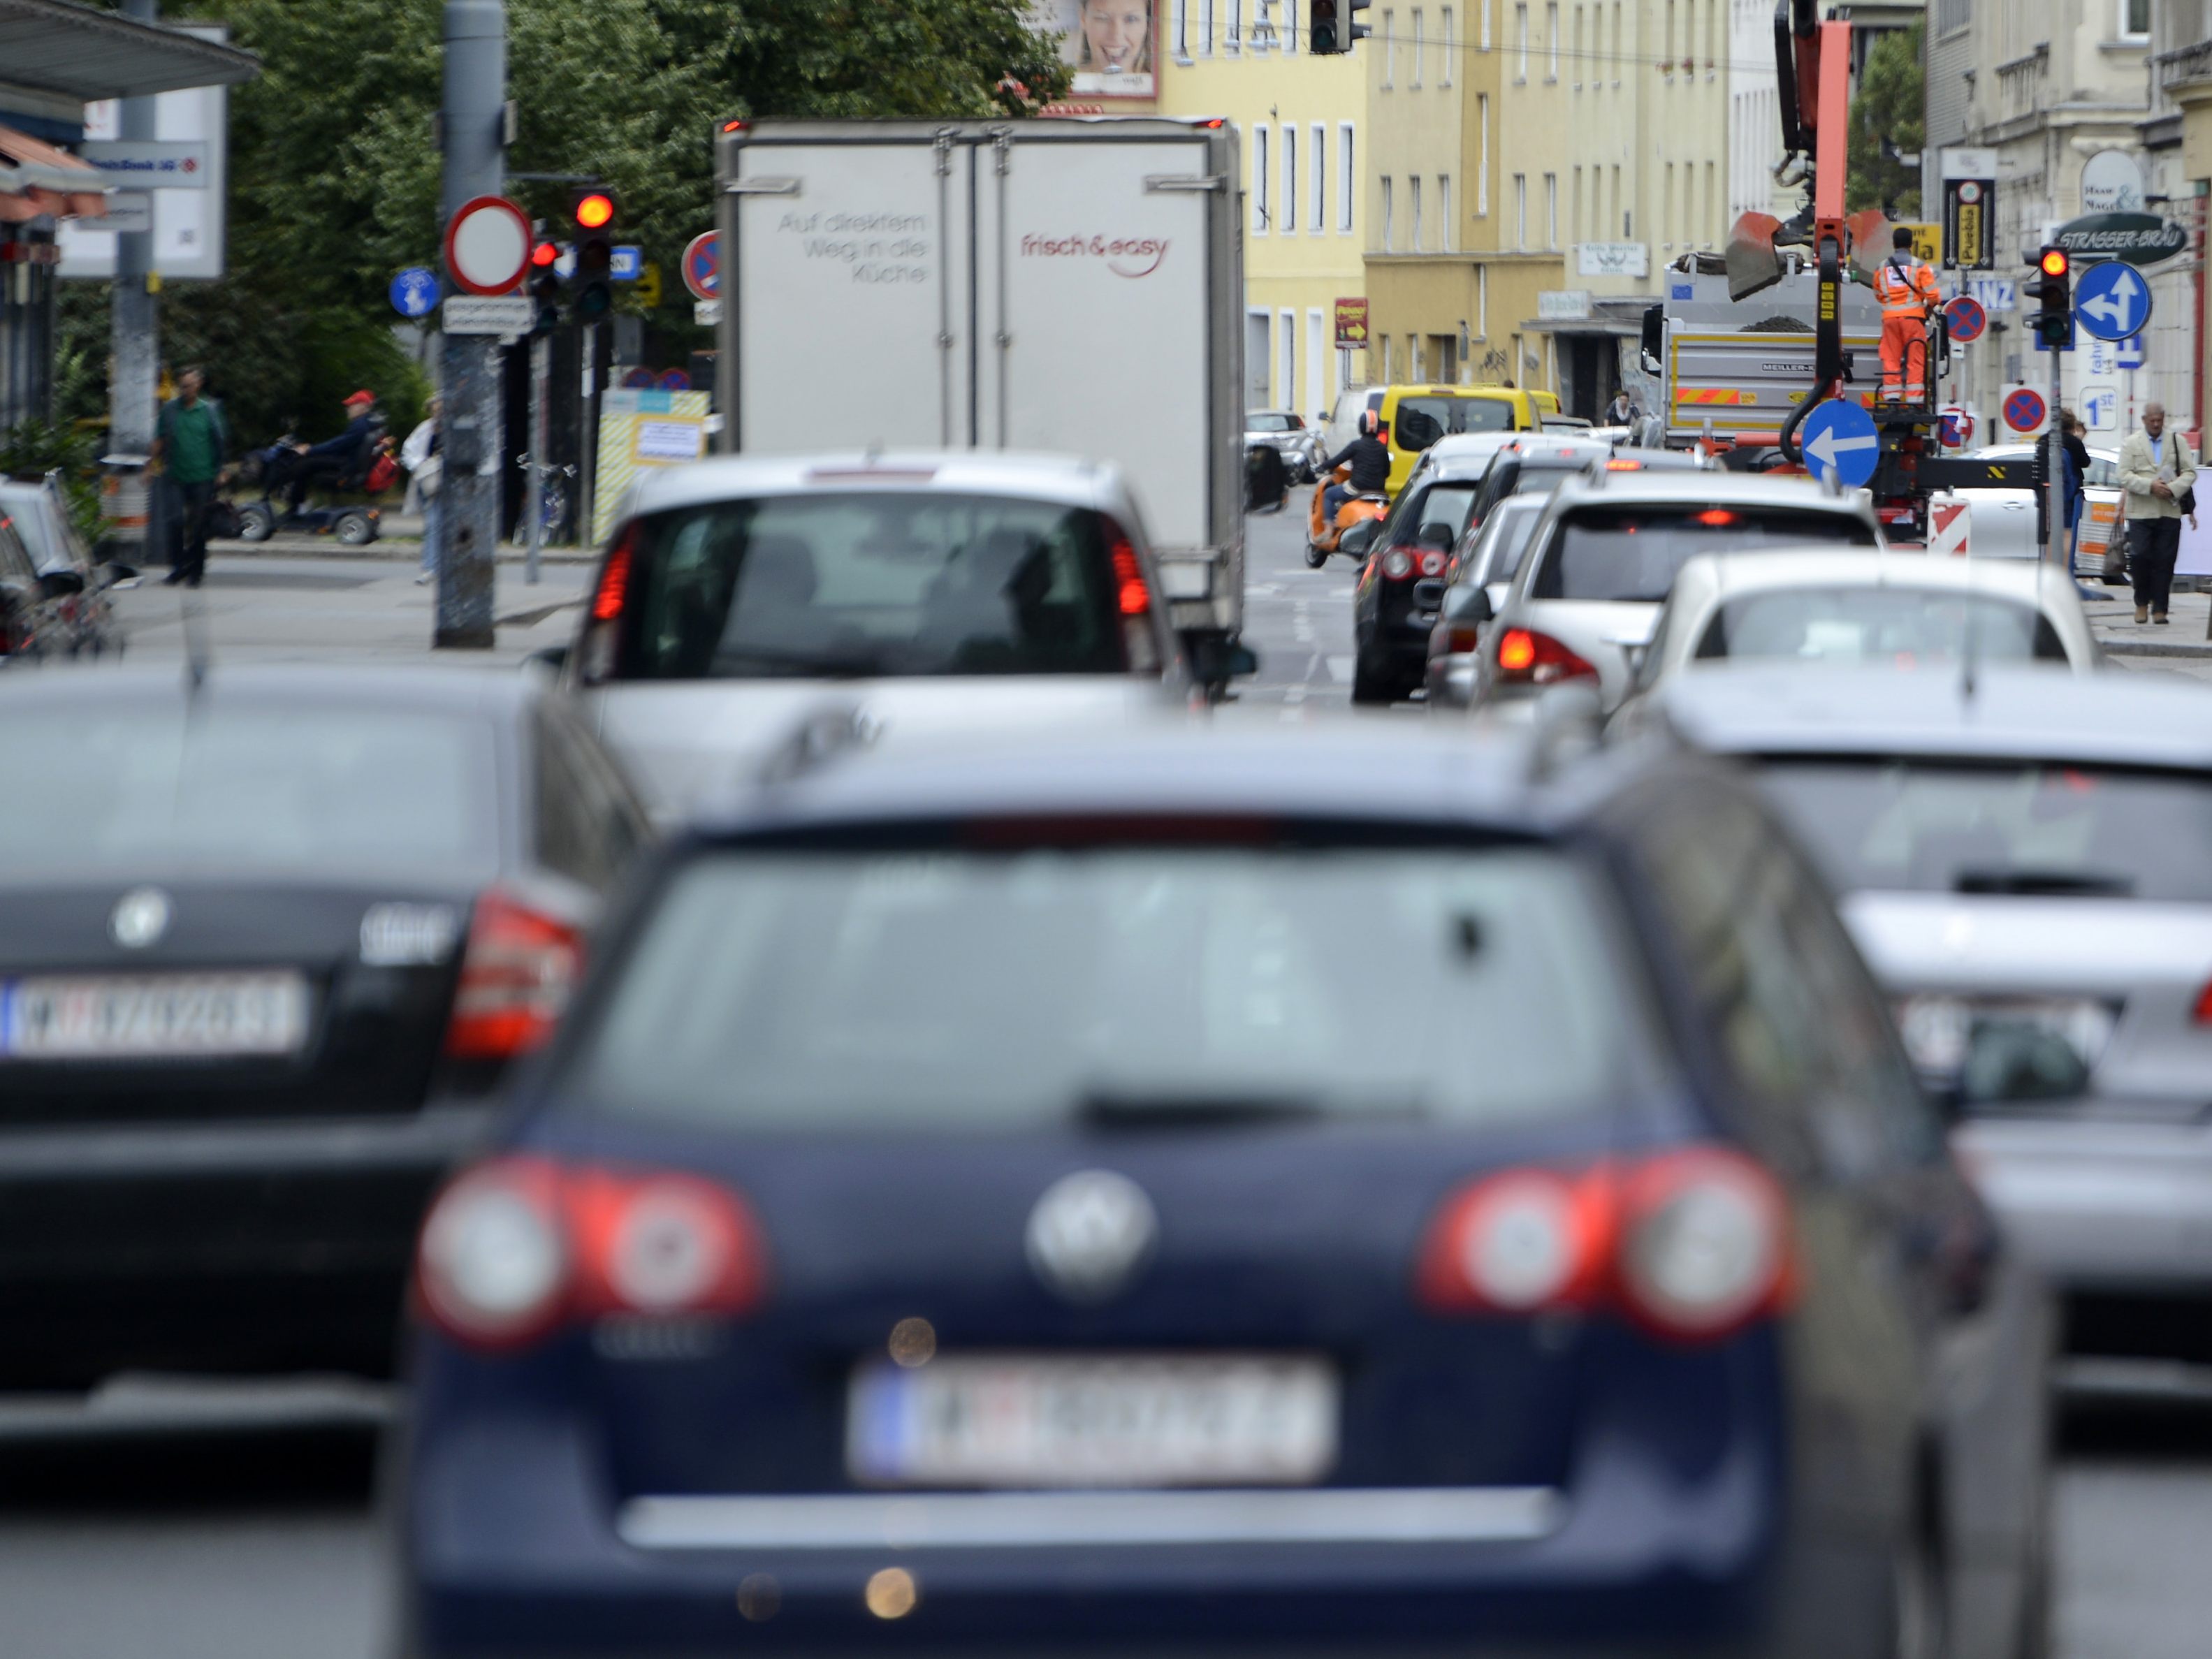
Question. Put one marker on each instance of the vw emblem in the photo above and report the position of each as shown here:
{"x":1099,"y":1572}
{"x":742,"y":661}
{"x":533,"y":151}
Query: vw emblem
{"x":141,"y":916}
{"x":1089,"y":1232}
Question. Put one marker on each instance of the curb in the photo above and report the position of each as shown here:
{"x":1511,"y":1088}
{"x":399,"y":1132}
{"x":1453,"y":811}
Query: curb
{"x":2156,"y":648}
{"x":389,"y":551}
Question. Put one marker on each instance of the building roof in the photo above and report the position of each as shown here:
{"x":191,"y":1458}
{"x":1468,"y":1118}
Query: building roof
{"x":76,"y":51}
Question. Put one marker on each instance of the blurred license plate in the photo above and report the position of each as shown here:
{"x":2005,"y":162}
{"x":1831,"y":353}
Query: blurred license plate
{"x":1940,"y":1032}
{"x":1133,"y":1421}
{"x":155,"y":1016}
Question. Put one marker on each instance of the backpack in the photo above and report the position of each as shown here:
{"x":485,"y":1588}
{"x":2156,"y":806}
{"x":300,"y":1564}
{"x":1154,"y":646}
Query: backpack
{"x":383,"y":473}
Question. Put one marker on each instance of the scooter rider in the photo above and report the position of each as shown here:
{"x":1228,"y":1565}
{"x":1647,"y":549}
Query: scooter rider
{"x":1369,"y":457}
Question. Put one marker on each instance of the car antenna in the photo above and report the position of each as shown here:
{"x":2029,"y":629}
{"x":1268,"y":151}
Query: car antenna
{"x":1966,"y":661}
{"x":197,"y":657}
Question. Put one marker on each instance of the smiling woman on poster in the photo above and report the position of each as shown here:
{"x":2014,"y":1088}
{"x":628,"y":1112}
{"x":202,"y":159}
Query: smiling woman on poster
{"x":1109,"y":44}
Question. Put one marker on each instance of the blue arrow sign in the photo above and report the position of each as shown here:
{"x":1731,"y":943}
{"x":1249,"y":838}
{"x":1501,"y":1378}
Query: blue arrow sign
{"x":1840,"y":438}
{"x":415,"y":292}
{"x":627,"y":264}
{"x":2111,"y":300}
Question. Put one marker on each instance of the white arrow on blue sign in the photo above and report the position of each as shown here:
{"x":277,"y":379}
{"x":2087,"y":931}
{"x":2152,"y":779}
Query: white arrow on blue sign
{"x":1838,"y":438}
{"x":415,"y":292}
{"x":2131,"y":353}
{"x":2111,"y":300}
{"x":626,"y":265}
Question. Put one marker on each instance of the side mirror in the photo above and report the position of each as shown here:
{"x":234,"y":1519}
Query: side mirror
{"x":53,"y":584}
{"x":1468,"y":604}
{"x":1356,"y":540}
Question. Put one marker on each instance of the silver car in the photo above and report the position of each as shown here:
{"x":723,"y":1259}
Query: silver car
{"x":910,"y":593}
{"x":1605,"y":554}
{"x":1289,"y":436}
{"x":2022,"y":860}
{"x":1488,"y":556}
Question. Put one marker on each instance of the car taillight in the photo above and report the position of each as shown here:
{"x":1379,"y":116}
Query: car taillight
{"x":1133,"y":598}
{"x":1397,"y":564}
{"x":513,"y":1249}
{"x":517,"y":971}
{"x":1463,"y":639}
{"x":1691,"y":1245}
{"x":613,"y":590}
{"x":1527,"y":657}
{"x":2203,"y":1012}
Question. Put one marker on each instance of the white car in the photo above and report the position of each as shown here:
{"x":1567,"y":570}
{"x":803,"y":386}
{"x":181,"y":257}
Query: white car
{"x":2102,"y":504}
{"x":902,"y":593}
{"x":1598,"y":566}
{"x":1900,"y":609}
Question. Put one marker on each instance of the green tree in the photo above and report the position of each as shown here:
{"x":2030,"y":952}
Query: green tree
{"x":1891,"y":108}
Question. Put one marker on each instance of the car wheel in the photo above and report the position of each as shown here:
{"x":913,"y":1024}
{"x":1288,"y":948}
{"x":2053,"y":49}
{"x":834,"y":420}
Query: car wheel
{"x":354,"y":529}
{"x":1369,"y":686}
{"x":256,"y":523}
{"x":1315,"y":557}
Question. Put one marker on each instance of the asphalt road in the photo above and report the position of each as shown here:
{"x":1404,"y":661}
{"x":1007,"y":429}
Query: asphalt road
{"x":266,"y":1548}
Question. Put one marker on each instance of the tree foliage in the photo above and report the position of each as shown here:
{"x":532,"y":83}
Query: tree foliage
{"x":1892,"y":107}
{"x":334,"y":173}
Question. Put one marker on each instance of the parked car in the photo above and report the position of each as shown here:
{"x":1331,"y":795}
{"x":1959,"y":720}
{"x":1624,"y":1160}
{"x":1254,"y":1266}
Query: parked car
{"x":924,"y":592}
{"x":1288,"y":435}
{"x":1602,"y":561}
{"x":1225,"y":1190}
{"x":2017,"y":857}
{"x":267,"y":941}
{"x":65,"y":610}
{"x":1488,"y":556}
{"x":1898,"y":610}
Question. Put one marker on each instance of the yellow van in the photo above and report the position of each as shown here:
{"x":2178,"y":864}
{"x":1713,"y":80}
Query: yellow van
{"x":1415,"y":416}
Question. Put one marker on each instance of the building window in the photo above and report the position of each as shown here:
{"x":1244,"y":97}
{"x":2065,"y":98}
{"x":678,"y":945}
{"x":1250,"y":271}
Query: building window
{"x":1444,"y":220}
{"x":1258,"y":181}
{"x":1346,"y":173}
{"x":1575,"y":212}
{"x":1667,"y":209}
{"x":1413,"y":205}
{"x":1481,"y":154}
{"x":1420,"y":51}
{"x":1179,"y":24}
{"x":1482,"y":302}
{"x":1486,"y":25}
{"x":1288,"y":35}
{"x":1413,"y":357}
{"x":1552,"y":40}
{"x":1551,"y":209}
{"x":1520,"y":42}
{"x":1205,"y":27}
{"x":1389,"y":49}
{"x":2134,"y":20}
{"x":1389,"y":220}
{"x":1952,"y":16}
{"x":1317,"y":170}
{"x":1444,"y":75}
{"x":1290,"y":177}
{"x":1286,"y":361}
{"x":1235,"y":34}
{"x":1617,"y":37}
{"x":1519,"y":210}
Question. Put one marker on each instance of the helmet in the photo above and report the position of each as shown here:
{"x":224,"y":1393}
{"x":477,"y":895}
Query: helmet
{"x":1370,"y":423}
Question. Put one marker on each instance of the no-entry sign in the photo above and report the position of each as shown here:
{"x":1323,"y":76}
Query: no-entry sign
{"x":487,"y":246}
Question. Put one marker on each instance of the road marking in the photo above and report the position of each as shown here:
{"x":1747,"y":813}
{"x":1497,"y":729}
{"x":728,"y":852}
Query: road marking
{"x":1339,"y":670}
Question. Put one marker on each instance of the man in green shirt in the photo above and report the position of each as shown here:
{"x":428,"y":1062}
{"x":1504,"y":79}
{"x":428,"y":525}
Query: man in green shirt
{"x":190,"y":443}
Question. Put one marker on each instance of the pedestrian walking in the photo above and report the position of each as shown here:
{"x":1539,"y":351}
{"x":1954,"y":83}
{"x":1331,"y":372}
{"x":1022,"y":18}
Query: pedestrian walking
{"x":192,"y":441}
{"x":2072,"y":454}
{"x":1622,"y":412}
{"x":1908,"y":295}
{"x":424,"y":463}
{"x":2158,"y":476}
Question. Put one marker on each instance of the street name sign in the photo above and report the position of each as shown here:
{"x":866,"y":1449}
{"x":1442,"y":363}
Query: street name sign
{"x":505,"y":313}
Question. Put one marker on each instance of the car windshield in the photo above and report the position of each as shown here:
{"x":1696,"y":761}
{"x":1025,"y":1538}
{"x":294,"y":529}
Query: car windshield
{"x":871,"y":582}
{"x":1632,"y":553}
{"x":2001,"y":828}
{"x":211,"y":785}
{"x":1421,"y":421}
{"x":1901,"y":625}
{"x":955,"y":990}
{"x":1261,"y":421}
{"x":1447,"y":504}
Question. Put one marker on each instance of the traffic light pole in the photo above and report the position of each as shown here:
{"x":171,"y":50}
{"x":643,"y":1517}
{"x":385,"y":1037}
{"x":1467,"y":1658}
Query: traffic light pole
{"x":587,"y":468}
{"x":475,"y":118}
{"x":2055,"y":483}
{"x":533,"y":483}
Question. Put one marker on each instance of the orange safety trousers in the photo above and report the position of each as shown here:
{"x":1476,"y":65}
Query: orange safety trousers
{"x":1903,"y":356}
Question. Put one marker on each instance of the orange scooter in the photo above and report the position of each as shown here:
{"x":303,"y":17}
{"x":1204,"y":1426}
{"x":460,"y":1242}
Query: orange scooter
{"x":1325,"y":537}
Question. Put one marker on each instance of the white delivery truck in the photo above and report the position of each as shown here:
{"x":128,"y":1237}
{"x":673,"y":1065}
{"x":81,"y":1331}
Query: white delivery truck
{"x":1072,"y":286}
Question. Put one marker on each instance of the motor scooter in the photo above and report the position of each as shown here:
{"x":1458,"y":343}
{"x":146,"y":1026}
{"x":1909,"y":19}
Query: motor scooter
{"x":1325,"y":536}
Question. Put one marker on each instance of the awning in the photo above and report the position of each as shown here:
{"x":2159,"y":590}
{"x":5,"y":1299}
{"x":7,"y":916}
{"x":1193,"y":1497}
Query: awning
{"x":58,"y":46}
{"x":37,"y":180}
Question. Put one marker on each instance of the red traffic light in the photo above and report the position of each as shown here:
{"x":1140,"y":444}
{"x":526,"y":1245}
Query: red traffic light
{"x":594,"y":212}
{"x":2055,"y":261}
{"x":545,"y":255}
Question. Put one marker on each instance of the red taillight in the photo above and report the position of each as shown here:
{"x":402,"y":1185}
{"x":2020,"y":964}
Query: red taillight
{"x":1527,"y":657}
{"x":1713,"y":517}
{"x":516,"y":974}
{"x":516,"y":1247}
{"x":1692,"y":1245}
{"x":1617,"y":464}
{"x":613,"y":584}
{"x":2203,"y":1012}
{"x":1130,"y":592}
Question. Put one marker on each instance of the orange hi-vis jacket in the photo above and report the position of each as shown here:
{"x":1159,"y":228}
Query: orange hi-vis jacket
{"x":1906,"y":287}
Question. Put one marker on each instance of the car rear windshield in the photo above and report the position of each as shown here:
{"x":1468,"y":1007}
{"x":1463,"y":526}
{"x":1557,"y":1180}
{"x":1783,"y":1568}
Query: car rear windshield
{"x":1632,"y":553}
{"x":1447,"y":504}
{"x":959,"y":990}
{"x":1515,"y":526}
{"x":1904,"y":626}
{"x":1421,"y":421}
{"x":217,"y":785}
{"x":871,"y":582}
{"x":1266,"y":422}
{"x":2041,"y":829}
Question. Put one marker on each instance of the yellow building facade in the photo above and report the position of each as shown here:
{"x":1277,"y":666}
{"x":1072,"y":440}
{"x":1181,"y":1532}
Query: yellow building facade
{"x":1302,"y":125}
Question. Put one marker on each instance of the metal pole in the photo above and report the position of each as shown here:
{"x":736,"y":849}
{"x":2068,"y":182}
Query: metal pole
{"x":533,"y":480}
{"x":2054,"y":483}
{"x":475,"y":116}
{"x":587,"y":467}
{"x":136,"y":333}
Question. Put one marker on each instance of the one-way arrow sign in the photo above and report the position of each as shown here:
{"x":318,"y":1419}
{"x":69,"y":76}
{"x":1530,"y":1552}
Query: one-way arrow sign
{"x":1838,"y":439}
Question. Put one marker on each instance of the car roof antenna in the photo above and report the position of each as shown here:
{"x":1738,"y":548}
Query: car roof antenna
{"x":197,"y":657}
{"x":1966,"y":654}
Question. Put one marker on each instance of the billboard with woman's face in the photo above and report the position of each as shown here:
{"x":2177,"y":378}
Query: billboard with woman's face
{"x":1108,"y":43}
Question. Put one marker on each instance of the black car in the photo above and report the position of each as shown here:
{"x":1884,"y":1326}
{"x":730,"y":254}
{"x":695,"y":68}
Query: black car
{"x":1226,"y":1191}
{"x":266,"y":943}
{"x":1538,"y":466}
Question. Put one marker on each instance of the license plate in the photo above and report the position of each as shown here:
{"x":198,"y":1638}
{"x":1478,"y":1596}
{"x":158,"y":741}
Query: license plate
{"x":1942,"y":1033}
{"x":1169,"y":1420}
{"x":153,"y":1016}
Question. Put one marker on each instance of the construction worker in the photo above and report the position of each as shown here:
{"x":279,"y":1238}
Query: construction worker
{"x":1909,"y":296}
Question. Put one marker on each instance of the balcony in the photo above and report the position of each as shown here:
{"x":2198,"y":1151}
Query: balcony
{"x":2185,"y":69}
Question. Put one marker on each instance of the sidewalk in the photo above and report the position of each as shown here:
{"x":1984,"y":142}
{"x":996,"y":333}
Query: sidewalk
{"x":2112,"y":620}
{"x":401,"y":537}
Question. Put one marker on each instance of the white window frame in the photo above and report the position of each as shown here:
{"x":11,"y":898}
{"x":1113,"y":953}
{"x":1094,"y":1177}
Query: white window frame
{"x":1482,"y":156}
{"x":1519,"y":210}
{"x":2120,"y":29}
{"x":1551,"y":40}
{"x":1389,"y":227}
{"x":1318,"y":353}
{"x":1444,"y":79}
{"x":1286,"y":360}
{"x":1521,"y":40}
{"x":1206,"y":28}
{"x":1317,"y":173}
{"x":1414,"y":204}
{"x":1261,"y":213}
{"x":1347,"y":171}
{"x":1450,"y":241}
{"x":1482,"y":302}
{"x":1179,"y":29}
{"x":1420,"y":51}
{"x":1233,"y":38}
{"x":1290,"y":214}
{"x":1551,"y":209}
{"x":1486,"y":25}
{"x":1389,"y":49}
